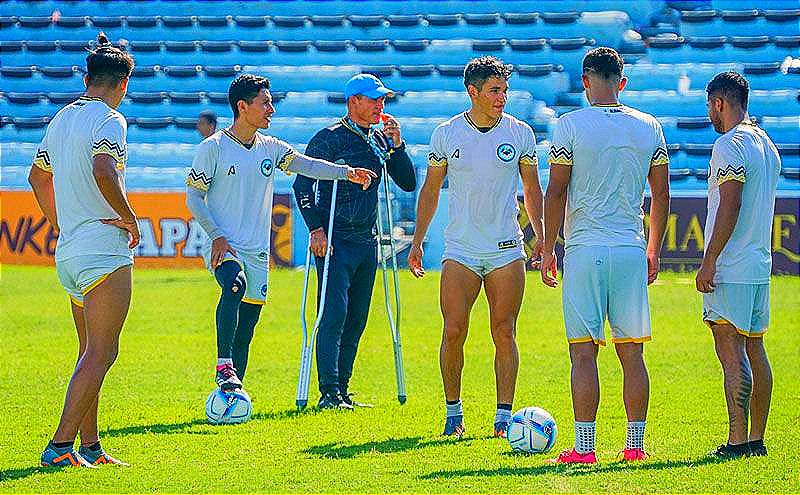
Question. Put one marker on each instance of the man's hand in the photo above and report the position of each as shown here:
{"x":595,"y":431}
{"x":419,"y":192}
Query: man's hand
{"x":549,"y":269}
{"x":319,"y":243}
{"x":360,"y":176}
{"x":415,"y":260}
{"x":129,"y":225}
{"x":219,"y":247}
{"x":391,"y":127}
{"x":704,"y":281}
{"x":653,"y":266}
{"x":536,"y":254}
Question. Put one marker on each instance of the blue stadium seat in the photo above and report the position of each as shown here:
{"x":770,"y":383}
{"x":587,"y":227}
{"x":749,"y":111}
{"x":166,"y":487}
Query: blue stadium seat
{"x":17,"y":154}
{"x":785,"y":102}
{"x":782,"y":129}
{"x":754,"y":4}
{"x":162,"y":155}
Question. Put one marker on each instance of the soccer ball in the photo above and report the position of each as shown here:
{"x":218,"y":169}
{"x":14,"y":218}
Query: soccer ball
{"x":532,"y":429}
{"x":228,"y":407}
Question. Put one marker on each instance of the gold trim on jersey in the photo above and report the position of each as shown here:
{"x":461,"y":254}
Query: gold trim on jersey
{"x":660,"y":157}
{"x":198,"y":180}
{"x":42,"y":160}
{"x":730,"y":173}
{"x":477,"y":127}
{"x":560,"y":156}
{"x":528,"y":160}
{"x":436,"y":161}
{"x":250,"y":300}
{"x":238,"y":141}
{"x":287,"y":160}
{"x":606,"y":105}
{"x":90,"y":98}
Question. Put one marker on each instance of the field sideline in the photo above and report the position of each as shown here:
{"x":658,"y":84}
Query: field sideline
{"x":152,"y":410}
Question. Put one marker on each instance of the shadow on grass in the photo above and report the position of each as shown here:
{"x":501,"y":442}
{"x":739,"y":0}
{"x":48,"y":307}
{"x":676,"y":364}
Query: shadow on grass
{"x":571,"y":470}
{"x":393,"y":445}
{"x":20,"y":473}
{"x":173,"y":428}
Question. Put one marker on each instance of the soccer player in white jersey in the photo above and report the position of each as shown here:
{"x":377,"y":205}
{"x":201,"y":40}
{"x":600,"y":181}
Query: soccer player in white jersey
{"x":737,"y":262}
{"x":229,"y":192}
{"x":483,"y":152}
{"x":601,"y":158}
{"x":78,"y":177}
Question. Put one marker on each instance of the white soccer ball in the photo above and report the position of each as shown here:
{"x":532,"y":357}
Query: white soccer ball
{"x":228,"y":407}
{"x":532,"y":429}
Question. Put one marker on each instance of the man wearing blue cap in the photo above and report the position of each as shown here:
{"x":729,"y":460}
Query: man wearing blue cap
{"x":351,"y":272}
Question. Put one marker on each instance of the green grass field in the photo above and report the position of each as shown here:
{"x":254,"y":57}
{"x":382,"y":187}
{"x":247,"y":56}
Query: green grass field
{"x":152,"y":408}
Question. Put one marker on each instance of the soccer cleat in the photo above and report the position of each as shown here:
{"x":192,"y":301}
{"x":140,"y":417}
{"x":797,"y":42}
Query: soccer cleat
{"x":574,"y":457}
{"x":758,"y":450}
{"x":454,"y":426}
{"x":727,"y":451}
{"x":501,"y":429}
{"x":333,"y":401}
{"x":98,"y":457}
{"x":348,"y":399}
{"x":226,"y":378}
{"x":55,"y":457}
{"x":629,"y":455}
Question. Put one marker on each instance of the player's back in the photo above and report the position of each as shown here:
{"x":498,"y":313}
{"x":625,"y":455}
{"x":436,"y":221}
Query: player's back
{"x":79,"y":131}
{"x":745,"y":154}
{"x":610,"y":150}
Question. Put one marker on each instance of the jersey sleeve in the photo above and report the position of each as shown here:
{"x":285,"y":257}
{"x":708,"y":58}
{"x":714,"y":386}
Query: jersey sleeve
{"x":284,"y":154}
{"x":527,"y":152}
{"x":109,"y":139}
{"x":204,"y":165}
{"x":561,"y":146}
{"x":660,"y":155}
{"x":42,"y":158}
{"x":437,"y":155}
{"x":727,"y":163}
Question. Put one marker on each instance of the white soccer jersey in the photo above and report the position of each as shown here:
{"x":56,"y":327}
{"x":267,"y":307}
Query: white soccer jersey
{"x":79,"y":131}
{"x":238,"y":185}
{"x":483,"y":175}
{"x":610,"y":149}
{"x":745,"y":154}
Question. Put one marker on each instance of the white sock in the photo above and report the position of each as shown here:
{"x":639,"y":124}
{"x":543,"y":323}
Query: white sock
{"x":502,"y":415}
{"x":224,"y":361}
{"x":635,"y":437}
{"x":454,"y":409}
{"x":584,"y":436}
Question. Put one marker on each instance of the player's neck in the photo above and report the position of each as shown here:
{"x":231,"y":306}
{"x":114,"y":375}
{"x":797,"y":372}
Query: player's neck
{"x":109,"y":98}
{"x":362,"y":123}
{"x":482,"y":119}
{"x":243,"y":131}
{"x":733,"y":119}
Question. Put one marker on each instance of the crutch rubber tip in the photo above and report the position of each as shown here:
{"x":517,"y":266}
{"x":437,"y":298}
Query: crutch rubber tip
{"x":301,"y":404}
{"x":401,"y":399}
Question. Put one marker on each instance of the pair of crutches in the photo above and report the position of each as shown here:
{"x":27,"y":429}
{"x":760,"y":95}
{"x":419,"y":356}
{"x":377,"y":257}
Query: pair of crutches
{"x":393,"y":313}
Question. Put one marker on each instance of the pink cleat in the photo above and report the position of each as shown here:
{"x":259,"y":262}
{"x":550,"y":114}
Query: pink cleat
{"x":574,"y":457}
{"x":629,"y":455}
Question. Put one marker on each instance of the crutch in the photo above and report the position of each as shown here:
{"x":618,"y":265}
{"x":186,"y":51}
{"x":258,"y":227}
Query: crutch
{"x":393,"y":314}
{"x":308,"y":341}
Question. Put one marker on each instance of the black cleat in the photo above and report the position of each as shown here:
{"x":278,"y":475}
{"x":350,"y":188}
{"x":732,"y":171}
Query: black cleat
{"x":727,"y":451}
{"x":333,"y":401}
{"x":348,"y":399}
{"x":757,"y":448}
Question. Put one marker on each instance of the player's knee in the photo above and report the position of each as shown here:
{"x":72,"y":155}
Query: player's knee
{"x":234,"y":287}
{"x":504,"y":333}
{"x":454,"y":335}
{"x":584,"y":354}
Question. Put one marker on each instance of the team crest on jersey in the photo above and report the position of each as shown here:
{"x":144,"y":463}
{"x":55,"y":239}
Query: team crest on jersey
{"x":264,"y":290}
{"x":506,"y":152}
{"x":266,"y":167}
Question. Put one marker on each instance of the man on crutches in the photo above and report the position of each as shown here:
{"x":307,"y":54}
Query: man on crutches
{"x":353,"y":256}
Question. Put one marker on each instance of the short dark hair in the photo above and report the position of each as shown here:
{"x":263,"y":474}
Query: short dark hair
{"x":208,"y":115}
{"x":730,"y":86}
{"x":478,"y":70}
{"x":245,"y":87}
{"x":605,"y":62}
{"x":107,"y":65}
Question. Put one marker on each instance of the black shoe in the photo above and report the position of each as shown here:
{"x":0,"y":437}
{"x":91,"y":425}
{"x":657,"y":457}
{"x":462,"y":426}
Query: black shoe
{"x":348,"y":399}
{"x":727,"y":451}
{"x":757,"y":448}
{"x":333,"y":401}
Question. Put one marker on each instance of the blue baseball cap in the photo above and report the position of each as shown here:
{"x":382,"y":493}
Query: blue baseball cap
{"x":367,"y":85}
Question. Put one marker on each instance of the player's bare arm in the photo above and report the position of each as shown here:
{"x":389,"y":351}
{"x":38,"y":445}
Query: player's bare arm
{"x":104,"y":169}
{"x":532,"y":196}
{"x":730,"y":200}
{"x":41,"y":182}
{"x":555,"y":201}
{"x":659,"y":213}
{"x":426,"y":207}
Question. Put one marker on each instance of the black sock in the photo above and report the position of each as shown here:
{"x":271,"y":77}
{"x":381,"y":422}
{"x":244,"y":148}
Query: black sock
{"x":248,"y":317}
{"x":452,"y":402}
{"x":94,"y":447}
{"x":756,"y":444}
{"x":231,"y":279}
{"x":62,"y":445}
{"x":506,"y":407}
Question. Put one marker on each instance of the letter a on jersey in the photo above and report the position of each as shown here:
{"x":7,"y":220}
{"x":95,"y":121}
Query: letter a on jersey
{"x":232,"y":170}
